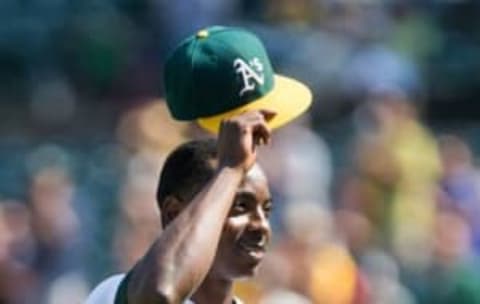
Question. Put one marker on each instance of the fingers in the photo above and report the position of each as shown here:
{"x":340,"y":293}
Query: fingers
{"x":253,"y":122}
{"x":261,"y":133}
{"x":258,"y":123}
{"x":240,"y":135}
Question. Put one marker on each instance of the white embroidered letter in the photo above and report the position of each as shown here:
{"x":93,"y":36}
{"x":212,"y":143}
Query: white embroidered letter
{"x":247,"y":71}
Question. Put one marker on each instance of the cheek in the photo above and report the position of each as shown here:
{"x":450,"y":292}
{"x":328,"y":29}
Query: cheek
{"x":234,"y":226}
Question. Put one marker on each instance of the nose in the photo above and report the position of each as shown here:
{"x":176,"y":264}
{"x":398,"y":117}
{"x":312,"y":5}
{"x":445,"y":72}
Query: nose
{"x":259,"y":225}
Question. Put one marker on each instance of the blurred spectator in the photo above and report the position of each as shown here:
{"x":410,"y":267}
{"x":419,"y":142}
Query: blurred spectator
{"x":376,"y":68}
{"x":414,"y":33}
{"x":311,"y":261}
{"x":453,"y":276}
{"x":461,"y":183}
{"x":142,"y":131}
{"x":53,"y":218}
{"x":299,"y":168}
{"x":356,"y":230}
{"x":357,"y":20}
{"x":399,"y":164}
{"x":297,"y":13}
{"x":18,"y":220}
{"x":383,"y":274}
{"x":139,"y":221}
{"x":17,"y":279}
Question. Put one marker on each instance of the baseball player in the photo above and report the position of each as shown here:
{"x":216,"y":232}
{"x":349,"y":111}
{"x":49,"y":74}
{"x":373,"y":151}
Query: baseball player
{"x":213,"y":197}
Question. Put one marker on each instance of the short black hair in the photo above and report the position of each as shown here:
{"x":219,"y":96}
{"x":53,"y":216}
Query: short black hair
{"x":187,"y":170}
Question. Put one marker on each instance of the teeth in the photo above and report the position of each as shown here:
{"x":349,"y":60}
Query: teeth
{"x":256,"y":254}
{"x":253,"y":246}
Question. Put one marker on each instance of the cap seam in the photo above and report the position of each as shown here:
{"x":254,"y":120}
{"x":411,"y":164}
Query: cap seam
{"x":194,"y":71}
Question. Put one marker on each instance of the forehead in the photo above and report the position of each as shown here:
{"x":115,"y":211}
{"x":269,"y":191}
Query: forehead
{"x":255,"y":182}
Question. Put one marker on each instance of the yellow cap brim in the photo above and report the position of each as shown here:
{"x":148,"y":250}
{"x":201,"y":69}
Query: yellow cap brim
{"x":289,"y":99}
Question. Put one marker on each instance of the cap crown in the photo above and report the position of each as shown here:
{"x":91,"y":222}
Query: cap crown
{"x":215,"y":71}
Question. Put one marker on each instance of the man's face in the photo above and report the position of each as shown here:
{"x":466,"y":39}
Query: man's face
{"x":246,"y":232}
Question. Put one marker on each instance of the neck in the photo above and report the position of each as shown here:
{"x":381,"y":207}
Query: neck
{"x":214,"y":291}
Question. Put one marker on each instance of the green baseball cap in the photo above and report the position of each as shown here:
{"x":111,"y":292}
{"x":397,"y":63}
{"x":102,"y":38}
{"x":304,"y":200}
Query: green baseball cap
{"x":223,"y":71}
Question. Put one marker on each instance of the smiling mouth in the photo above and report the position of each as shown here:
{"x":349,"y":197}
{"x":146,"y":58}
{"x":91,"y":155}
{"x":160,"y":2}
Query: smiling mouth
{"x":254,"y":250}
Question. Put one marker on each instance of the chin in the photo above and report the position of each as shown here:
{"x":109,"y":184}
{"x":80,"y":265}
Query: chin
{"x":246,"y":271}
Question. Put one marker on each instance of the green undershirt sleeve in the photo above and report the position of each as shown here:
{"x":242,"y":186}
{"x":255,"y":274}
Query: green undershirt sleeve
{"x":121,"y":295}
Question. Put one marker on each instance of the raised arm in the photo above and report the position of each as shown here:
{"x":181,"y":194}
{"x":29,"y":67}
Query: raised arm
{"x":181,"y":257}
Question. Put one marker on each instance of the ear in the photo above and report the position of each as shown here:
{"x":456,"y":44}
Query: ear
{"x":171,"y":207}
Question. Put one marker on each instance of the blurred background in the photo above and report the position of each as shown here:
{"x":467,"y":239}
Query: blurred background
{"x":376,"y":189}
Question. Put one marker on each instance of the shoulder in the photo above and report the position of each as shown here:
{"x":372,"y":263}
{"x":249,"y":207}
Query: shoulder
{"x":104,"y":293}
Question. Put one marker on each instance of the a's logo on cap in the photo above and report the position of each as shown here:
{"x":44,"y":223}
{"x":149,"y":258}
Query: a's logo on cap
{"x":252,"y":73}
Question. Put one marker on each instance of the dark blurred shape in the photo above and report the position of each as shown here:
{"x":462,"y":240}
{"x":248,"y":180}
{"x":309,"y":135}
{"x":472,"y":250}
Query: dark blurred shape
{"x":54,"y":93}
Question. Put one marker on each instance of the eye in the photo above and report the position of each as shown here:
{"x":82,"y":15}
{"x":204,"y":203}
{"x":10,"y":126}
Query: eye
{"x":240,"y":206}
{"x":267,"y":208}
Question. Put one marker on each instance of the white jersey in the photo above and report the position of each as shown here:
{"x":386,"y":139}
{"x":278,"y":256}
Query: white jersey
{"x":105,"y":292}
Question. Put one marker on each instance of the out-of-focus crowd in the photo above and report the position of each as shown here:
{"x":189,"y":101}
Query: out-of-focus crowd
{"x":372,"y":203}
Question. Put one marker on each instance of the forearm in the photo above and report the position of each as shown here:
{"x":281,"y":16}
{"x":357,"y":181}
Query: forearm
{"x":179,"y":260}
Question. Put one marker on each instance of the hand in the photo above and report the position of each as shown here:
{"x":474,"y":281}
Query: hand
{"x":239,"y":136}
